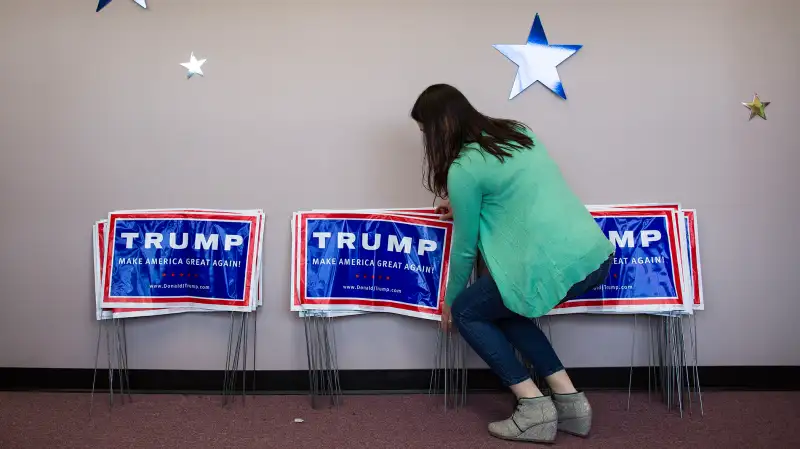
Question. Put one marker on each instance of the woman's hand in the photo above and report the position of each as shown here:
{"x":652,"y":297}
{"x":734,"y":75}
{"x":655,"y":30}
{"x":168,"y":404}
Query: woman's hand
{"x":447,"y":320}
{"x":445,"y":210}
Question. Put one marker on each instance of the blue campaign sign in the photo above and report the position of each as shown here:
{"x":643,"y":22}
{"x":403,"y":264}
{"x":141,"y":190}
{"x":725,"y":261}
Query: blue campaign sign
{"x":373,"y":262}
{"x":645,"y":270}
{"x":162,"y":259}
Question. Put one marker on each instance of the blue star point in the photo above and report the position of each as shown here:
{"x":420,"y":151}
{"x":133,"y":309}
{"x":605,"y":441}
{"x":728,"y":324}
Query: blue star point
{"x":103,"y":3}
{"x":537,"y":60}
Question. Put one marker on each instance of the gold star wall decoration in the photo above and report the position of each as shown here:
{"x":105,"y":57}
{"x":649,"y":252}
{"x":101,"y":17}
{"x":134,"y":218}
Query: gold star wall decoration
{"x":757,"y":107}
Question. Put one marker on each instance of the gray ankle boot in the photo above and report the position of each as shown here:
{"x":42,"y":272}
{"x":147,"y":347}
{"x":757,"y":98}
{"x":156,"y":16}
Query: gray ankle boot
{"x":534,"y":420}
{"x":574,"y":413}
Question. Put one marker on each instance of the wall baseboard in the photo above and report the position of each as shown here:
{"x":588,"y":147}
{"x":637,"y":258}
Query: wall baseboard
{"x":758,"y":378}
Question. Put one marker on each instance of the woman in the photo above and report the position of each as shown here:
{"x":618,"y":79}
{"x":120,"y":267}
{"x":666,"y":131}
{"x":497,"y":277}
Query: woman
{"x":541,"y":246}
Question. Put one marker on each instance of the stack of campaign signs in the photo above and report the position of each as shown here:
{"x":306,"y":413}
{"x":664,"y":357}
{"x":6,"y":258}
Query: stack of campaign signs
{"x":168,"y":261}
{"x":351,"y":262}
{"x":396,"y":260}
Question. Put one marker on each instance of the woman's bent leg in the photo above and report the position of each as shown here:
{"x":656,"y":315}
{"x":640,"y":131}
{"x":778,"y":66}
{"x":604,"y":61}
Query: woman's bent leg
{"x":475,"y":312}
{"x":529,"y":339}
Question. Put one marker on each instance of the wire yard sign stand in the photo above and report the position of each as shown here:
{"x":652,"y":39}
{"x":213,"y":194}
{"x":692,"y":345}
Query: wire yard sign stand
{"x":235,"y":373}
{"x":672,"y":369}
{"x":449,"y":374}
{"x":323,"y":368}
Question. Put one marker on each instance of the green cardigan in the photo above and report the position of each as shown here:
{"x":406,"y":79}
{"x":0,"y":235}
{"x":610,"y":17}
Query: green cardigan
{"x":536,"y":237}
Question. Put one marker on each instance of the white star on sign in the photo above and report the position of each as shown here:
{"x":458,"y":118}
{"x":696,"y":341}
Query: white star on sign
{"x":193,"y":66}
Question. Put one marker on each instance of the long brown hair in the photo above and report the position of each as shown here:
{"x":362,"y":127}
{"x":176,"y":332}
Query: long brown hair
{"x":449,"y":122}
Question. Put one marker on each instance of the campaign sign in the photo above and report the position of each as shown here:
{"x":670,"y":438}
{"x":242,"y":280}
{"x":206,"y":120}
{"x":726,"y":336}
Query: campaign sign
{"x":646,"y":273}
{"x":99,"y":249}
{"x":371,"y":262}
{"x":689,"y":249}
{"x":695,"y":278}
{"x":181,"y":260}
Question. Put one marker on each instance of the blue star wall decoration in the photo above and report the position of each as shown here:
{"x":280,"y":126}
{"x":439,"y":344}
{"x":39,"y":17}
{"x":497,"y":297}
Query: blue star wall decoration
{"x":102,"y":4}
{"x":537,"y":60}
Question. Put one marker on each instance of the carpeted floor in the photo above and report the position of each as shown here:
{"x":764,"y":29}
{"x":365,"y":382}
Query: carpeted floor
{"x":61,"y":420}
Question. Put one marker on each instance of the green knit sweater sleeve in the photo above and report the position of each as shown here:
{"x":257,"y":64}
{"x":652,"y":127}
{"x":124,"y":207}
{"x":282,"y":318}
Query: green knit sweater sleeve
{"x":465,"y":199}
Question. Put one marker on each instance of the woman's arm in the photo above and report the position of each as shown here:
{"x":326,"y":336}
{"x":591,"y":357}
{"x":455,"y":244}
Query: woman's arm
{"x":465,"y":200}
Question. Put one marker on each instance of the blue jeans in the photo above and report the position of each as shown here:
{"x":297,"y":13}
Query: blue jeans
{"x":493,"y":331}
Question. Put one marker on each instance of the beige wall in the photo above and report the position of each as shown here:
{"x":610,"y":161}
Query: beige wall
{"x":305,"y":105}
